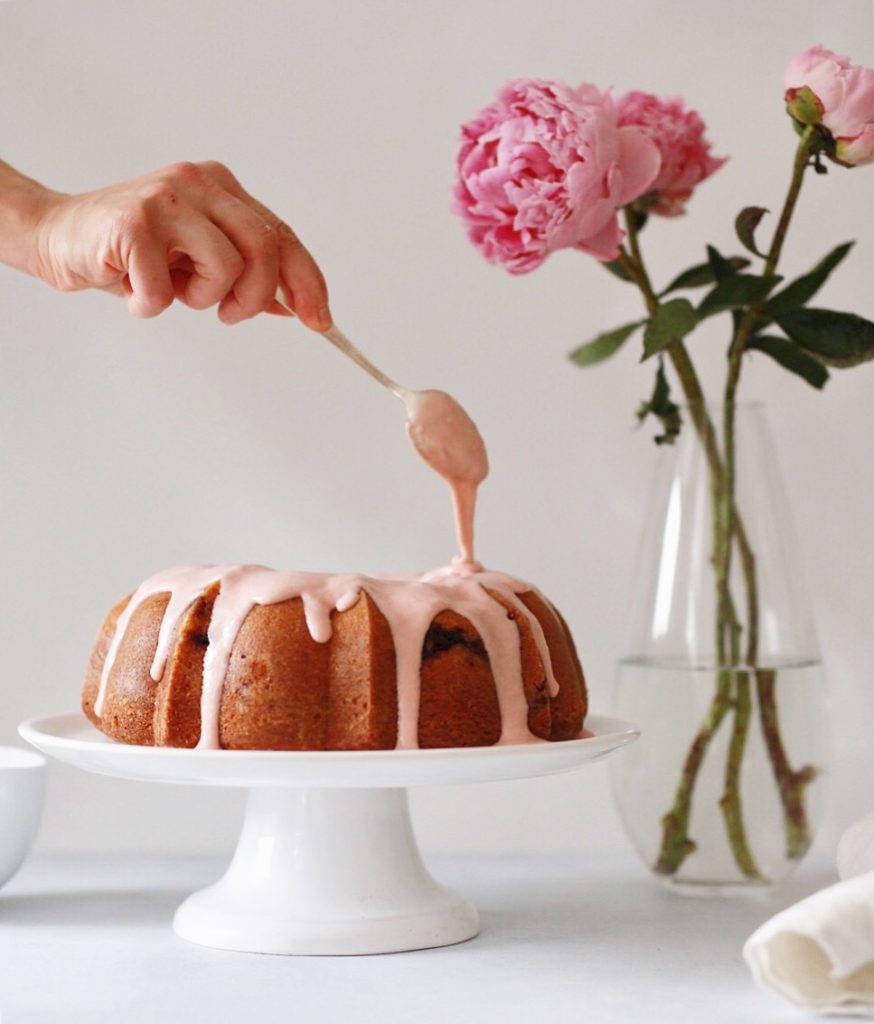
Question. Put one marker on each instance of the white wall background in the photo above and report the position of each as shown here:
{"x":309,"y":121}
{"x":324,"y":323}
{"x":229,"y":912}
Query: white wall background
{"x":127,"y":446}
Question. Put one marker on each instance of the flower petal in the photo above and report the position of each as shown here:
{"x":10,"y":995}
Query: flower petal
{"x":639,"y":164}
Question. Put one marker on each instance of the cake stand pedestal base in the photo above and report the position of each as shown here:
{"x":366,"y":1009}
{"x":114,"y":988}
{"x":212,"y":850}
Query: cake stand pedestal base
{"x":326,"y":871}
{"x":327,"y":863}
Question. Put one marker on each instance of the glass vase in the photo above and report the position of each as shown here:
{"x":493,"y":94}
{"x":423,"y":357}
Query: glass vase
{"x":725,"y":789}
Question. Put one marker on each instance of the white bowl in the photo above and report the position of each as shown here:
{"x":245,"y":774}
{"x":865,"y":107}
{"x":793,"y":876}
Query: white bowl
{"x":22,"y":787}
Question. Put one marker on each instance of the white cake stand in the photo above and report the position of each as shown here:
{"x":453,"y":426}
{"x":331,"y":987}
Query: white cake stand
{"x":327,"y":862}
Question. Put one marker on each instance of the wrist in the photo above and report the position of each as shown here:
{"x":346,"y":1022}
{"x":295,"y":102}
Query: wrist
{"x":24,"y":207}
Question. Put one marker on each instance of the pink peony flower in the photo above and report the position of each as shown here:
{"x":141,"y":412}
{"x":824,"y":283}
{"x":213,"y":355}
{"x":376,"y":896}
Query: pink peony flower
{"x":685,"y":153}
{"x":546,"y":167}
{"x":840,"y":98}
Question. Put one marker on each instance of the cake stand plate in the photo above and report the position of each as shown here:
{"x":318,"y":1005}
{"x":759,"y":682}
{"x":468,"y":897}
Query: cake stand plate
{"x":327,"y":862}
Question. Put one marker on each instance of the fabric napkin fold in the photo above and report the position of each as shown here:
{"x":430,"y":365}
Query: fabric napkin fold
{"x":819,"y":953}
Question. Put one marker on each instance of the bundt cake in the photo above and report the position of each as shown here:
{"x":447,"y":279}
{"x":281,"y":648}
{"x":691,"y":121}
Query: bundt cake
{"x":243,"y":657}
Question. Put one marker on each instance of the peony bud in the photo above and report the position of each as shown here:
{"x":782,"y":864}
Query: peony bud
{"x":803,"y":106}
{"x":837,"y":96}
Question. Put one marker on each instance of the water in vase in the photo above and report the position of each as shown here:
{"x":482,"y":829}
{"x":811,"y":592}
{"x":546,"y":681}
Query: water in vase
{"x":685,"y":709}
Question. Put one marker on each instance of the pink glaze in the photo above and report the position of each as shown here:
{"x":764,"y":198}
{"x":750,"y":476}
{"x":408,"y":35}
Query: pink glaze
{"x":409,"y":604}
{"x":448,"y":440}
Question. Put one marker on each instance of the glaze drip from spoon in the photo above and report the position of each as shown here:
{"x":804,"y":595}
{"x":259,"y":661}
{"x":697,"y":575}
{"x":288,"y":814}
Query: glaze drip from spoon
{"x":449,"y":442}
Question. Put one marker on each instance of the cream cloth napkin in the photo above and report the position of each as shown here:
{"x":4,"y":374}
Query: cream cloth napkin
{"x":819,"y":953}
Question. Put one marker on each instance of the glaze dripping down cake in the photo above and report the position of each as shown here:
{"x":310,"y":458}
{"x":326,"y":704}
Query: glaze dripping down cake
{"x":243,"y":657}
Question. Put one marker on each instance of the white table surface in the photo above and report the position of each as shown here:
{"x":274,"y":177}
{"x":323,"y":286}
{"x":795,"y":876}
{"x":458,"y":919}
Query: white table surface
{"x":564,"y":938}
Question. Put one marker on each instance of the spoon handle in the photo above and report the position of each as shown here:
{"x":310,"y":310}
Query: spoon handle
{"x":339,"y":339}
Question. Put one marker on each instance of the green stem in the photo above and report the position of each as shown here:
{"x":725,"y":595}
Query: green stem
{"x":751,"y":316}
{"x":728,"y":526}
{"x":789,"y":783}
{"x":676,"y":843}
{"x":800,"y":164}
{"x":730,"y":803}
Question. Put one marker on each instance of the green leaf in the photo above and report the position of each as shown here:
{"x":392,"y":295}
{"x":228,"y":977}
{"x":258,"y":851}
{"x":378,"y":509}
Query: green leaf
{"x":802,"y":289}
{"x":745,"y":225}
{"x":664,"y":410}
{"x":671,"y":322}
{"x":617,"y":268}
{"x":602,"y":347}
{"x":702,"y":273}
{"x":736,"y":292}
{"x":836,"y":339}
{"x":792,"y":357}
{"x":720,"y":266}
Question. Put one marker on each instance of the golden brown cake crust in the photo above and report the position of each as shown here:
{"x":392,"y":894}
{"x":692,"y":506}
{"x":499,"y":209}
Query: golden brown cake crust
{"x":570,"y":706}
{"x":284,"y":690}
{"x":129,"y":706}
{"x":94,"y":670}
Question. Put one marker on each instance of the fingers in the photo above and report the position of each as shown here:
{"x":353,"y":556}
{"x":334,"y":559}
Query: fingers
{"x":278,"y":309}
{"x":300,"y":278}
{"x":215,"y":264}
{"x":256,"y":241}
{"x":148,"y":286}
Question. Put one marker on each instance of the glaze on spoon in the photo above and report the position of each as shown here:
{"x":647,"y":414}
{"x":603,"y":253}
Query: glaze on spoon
{"x":449,"y":442}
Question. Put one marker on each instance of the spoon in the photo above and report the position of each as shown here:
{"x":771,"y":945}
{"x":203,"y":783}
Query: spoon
{"x":439,"y":427}
{"x":339,"y":339}
{"x":440,"y":430}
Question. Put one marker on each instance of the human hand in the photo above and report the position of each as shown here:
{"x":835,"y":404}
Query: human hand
{"x":190,"y":232}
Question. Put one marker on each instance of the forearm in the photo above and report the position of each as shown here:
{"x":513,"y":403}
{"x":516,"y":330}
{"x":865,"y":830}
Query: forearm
{"x":23,"y":203}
